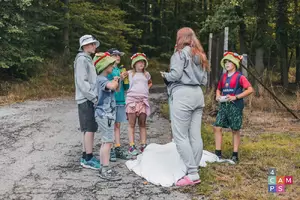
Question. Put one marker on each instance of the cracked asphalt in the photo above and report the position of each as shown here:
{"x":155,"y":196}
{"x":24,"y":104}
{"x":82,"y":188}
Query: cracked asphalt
{"x":40,"y":148}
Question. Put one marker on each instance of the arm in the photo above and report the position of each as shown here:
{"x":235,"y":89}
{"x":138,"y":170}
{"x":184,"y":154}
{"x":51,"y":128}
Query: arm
{"x":150,"y":83}
{"x":82,"y":80}
{"x":148,"y":76}
{"x":176,"y":71}
{"x":218,"y":94}
{"x":246,"y":93}
{"x":112,"y":85}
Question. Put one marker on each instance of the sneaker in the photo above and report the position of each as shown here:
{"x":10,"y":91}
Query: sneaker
{"x":82,"y":161}
{"x":235,"y":159}
{"x":143,"y":147}
{"x":122,"y":154}
{"x":109,"y":175}
{"x":94,"y":163}
{"x":113,"y":156}
{"x":95,"y":160}
{"x":133,"y":151}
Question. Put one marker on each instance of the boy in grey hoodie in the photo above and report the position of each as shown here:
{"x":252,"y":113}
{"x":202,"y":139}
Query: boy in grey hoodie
{"x":86,"y":97}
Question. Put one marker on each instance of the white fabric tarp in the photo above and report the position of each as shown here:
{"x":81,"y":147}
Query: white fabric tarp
{"x":162,"y":165}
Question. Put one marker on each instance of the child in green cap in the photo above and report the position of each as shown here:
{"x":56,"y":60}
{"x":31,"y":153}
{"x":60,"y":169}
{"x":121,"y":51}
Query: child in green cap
{"x":232,"y":88}
{"x":137,"y":104}
{"x":120,"y":71}
{"x":105,"y":111}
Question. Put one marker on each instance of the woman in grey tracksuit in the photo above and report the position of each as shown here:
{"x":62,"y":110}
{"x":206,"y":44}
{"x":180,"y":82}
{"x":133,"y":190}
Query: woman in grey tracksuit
{"x":188,"y":72}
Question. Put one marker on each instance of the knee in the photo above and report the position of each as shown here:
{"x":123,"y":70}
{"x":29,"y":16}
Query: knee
{"x":217,"y":129}
{"x":118,"y":125}
{"x":142,"y":124}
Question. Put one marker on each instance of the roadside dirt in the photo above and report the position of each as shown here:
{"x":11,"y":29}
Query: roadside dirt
{"x":40,"y":147}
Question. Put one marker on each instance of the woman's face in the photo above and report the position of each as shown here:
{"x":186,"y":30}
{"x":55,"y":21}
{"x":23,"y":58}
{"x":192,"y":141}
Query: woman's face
{"x":140,"y":65}
{"x":229,"y":66}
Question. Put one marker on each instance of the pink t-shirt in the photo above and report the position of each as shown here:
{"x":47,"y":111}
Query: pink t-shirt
{"x":138,"y":84}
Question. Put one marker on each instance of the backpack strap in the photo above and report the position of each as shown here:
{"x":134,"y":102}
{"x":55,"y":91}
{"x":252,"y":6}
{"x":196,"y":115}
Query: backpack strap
{"x":237,"y":85}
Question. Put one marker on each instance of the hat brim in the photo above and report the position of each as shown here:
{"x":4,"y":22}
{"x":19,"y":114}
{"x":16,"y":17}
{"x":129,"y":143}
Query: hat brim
{"x":86,"y":43}
{"x":119,"y":54}
{"x":109,"y":61}
{"x":139,"y":59}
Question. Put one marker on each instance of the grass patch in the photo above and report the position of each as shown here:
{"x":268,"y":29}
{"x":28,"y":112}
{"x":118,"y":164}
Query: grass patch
{"x":54,"y":81}
{"x":249,"y":179}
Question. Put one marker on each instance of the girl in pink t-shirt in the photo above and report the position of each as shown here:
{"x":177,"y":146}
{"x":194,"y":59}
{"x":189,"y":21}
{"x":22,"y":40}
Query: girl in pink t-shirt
{"x":137,"y":105}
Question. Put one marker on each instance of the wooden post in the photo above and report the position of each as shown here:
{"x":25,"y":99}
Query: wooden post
{"x":209,"y":61}
{"x":226,"y":32}
{"x":245,"y":63}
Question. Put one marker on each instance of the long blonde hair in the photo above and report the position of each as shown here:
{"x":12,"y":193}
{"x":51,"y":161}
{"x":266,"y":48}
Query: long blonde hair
{"x":187,"y":37}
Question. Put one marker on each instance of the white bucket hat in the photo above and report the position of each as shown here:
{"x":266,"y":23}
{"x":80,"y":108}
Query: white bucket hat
{"x":87,"y":39}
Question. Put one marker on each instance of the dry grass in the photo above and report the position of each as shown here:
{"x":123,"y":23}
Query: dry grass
{"x":54,"y":81}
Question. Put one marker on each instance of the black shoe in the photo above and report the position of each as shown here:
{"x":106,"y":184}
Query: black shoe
{"x":235,"y":159}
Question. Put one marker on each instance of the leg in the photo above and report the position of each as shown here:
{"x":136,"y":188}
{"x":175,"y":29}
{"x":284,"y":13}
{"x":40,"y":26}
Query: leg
{"x":195,"y":135}
{"x":142,"y":126}
{"x":89,"y":142}
{"x":117,"y":133}
{"x":221,"y":121}
{"x":105,"y":153}
{"x":236,"y":140}
{"x":131,"y":127}
{"x":181,"y":120}
{"x":218,"y":137}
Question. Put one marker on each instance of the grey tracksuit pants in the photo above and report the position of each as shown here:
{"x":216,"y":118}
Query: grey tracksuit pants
{"x":187,"y":107}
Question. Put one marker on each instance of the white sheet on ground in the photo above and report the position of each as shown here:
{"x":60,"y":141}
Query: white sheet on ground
{"x":162,"y":165}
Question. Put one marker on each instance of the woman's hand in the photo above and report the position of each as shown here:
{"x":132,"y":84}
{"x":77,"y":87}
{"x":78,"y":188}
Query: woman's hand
{"x":218,"y":97}
{"x":163,"y":74}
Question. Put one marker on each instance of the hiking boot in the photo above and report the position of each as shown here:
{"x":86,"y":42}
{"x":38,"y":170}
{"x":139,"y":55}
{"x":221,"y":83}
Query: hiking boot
{"x":235,"y":159}
{"x":133,"y":151}
{"x":94,"y":163}
{"x":143,"y":147}
{"x":109,"y":174}
{"x":122,"y":154}
{"x":113,"y":156}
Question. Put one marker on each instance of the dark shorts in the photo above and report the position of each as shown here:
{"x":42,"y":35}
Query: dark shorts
{"x":229,"y":116}
{"x":87,"y":120}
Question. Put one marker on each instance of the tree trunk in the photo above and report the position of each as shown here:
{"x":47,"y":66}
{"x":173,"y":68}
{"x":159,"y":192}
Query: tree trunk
{"x":66,"y":31}
{"x":259,"y":65}
{"x":282,"y":40}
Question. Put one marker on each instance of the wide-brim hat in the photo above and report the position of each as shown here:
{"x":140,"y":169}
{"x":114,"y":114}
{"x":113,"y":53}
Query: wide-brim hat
{"x":115,"y":51}
{"x":232,"y":57}
{"x":138,"y":57}
{"x":87,"y":39}
{"x":102,"y":61}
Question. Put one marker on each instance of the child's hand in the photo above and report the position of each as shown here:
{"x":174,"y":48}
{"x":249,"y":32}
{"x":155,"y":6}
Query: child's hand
{"x":218,"y":97}
{"x":231,"y":98}
{"x":162,"y":74}
{"x":123,"y":75}
{"x":116,"y":78}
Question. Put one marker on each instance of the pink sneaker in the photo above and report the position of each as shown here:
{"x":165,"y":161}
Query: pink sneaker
{"x":186,"y":181}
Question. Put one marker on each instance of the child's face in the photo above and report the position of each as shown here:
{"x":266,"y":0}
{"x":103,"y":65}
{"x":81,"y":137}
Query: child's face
{"x":118,"y":59}
{"x":90,"y":48}
{"x":140,"y":65}
{"x":229,"y":66}
{"x":109,"y":69}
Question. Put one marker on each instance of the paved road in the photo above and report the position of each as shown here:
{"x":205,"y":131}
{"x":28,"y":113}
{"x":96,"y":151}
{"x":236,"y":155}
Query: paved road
{"x":40,"y":147}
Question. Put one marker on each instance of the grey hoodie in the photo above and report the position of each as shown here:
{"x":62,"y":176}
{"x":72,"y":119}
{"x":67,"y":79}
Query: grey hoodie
{"x":185,"y":70}
{"x":85,"y":78}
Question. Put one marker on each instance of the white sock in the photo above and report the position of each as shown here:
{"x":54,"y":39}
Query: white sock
{"x":194,"y":177}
